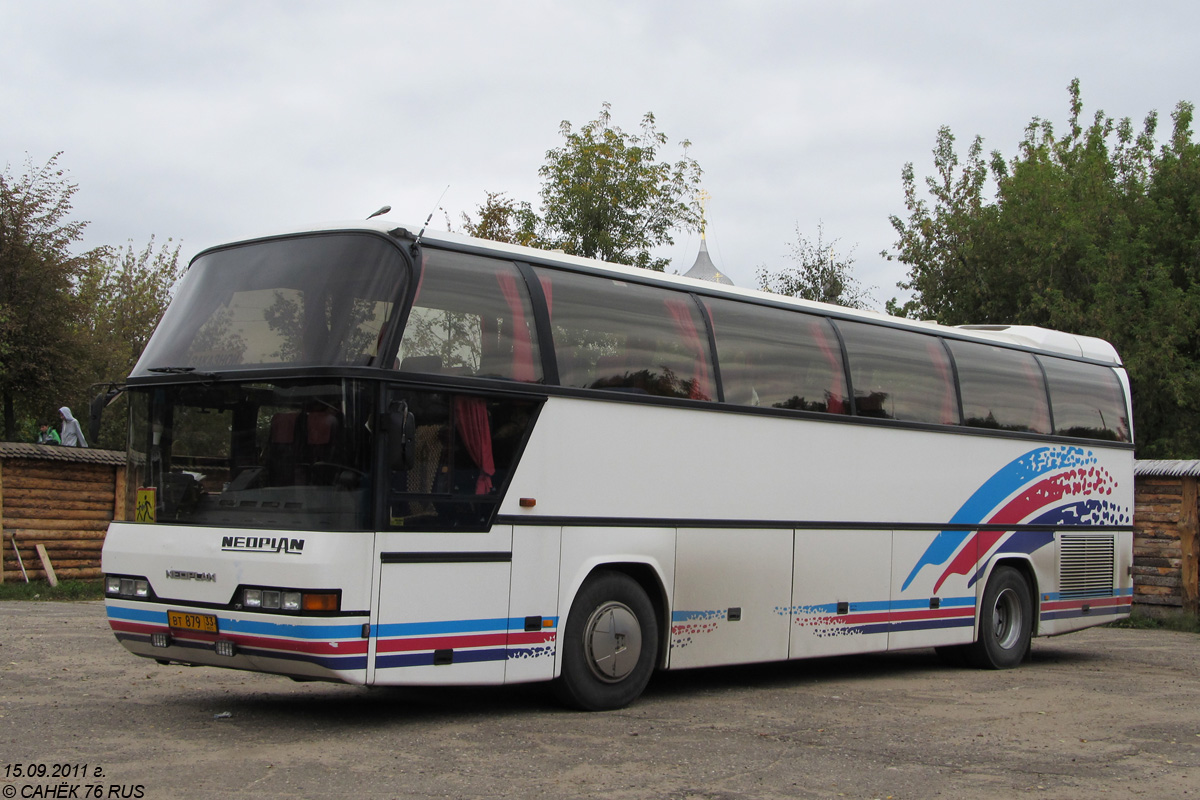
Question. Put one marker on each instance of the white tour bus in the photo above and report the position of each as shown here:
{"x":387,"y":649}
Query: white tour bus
{"x":363,"y":455}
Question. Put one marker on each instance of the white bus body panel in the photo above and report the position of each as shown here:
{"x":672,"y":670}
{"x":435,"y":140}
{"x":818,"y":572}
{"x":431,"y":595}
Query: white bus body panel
{"x":189,"y":567}
{"x":840,"y":606}
{"x":610,"y":459}
{"x":442,"y":611}
{"x":909,"y":563}
{"x":536,"y":553}
{"x":932,"y":610}
{"x":727,"y":594}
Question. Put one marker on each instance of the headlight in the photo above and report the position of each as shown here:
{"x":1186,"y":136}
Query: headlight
{"x":127,"y":586}
{"x":290,"y":601}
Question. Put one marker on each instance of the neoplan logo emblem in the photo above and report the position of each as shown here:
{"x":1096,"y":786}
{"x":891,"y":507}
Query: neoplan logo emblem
{"x":262,"y":544}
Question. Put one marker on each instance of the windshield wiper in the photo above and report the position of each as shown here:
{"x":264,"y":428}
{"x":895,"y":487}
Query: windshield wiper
{"x":207,"y":376}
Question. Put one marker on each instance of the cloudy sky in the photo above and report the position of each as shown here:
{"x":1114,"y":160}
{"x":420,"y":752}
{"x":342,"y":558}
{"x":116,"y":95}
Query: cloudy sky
{"x":211,"y":121}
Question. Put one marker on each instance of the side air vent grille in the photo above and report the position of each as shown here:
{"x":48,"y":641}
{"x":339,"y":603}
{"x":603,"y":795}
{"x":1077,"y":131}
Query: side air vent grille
{"x":1086,"y":564}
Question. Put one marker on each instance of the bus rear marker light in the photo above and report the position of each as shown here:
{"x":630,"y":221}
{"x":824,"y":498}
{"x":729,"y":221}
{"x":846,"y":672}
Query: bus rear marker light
{"x":528,"y":502}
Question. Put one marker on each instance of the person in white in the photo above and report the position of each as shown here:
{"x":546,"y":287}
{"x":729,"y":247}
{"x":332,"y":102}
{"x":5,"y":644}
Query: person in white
{"x":72,"y":434}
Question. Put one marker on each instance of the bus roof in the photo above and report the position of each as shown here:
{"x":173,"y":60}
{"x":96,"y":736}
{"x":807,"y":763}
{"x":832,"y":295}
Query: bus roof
{"x":1023,"y":336}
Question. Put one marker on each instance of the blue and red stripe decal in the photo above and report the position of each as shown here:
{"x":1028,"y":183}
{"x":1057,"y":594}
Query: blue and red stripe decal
{"x":1054,"y":606}
{"x":1060,"y":486}
{"x":335,"y":645}
{"x":884,"y":616}
{"x":415,"y":644}
{"x":340,"y":646}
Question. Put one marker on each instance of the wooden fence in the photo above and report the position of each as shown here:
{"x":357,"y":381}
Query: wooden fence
{"x":1166,"y":535}
{"x":57,"y":502}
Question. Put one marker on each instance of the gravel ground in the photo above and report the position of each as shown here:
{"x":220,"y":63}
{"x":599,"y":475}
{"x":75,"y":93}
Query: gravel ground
{"x":1104,"y":712}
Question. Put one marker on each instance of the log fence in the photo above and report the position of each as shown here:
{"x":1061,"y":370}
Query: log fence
{"x":57,"y":502}
{"x":1166,"y":535}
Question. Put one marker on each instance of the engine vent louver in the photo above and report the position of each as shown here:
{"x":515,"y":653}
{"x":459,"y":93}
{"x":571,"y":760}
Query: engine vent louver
{"x":1086,"y":565}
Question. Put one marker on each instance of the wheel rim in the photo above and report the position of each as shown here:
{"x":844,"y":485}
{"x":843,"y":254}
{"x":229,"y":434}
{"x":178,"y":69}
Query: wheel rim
{"x":613,"y":639}
{"x":1006,"y":619}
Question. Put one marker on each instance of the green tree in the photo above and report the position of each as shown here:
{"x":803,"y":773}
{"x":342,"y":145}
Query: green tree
{"x":819,"y":273}
{"x":502,"y":219}
{"x":39,"y":311}
{"x":606,"y":194}
{"x":125,"y":292}
{"x":1096,"y":232}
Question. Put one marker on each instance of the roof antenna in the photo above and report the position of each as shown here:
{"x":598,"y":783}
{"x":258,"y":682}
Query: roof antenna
{"x":383,"y":210}
{"x":417,"y":242}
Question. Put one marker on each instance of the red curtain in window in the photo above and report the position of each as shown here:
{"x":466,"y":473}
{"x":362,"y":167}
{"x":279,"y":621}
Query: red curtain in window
{"x":1037,"y":389}
{"x":522,"y":366}
{"x":836,"y":403}
{"x":937,"y":352}
{"x":470,"y":415}
{"x":548,"y":291}
{"x":685,"y":326}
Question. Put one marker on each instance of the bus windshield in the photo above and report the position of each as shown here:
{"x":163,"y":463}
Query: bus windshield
{"x":291,"y":455}
{"x":303,"y":301}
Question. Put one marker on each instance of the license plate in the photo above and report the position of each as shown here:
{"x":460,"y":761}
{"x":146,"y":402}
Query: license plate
{"x":205,"y":623}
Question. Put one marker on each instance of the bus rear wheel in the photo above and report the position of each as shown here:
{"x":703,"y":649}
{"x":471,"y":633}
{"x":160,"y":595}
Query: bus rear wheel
{"x":610,"y":644}
{"x":1005,"y":623}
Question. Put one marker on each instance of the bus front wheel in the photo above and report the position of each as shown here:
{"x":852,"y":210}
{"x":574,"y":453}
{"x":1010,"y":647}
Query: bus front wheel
{"x":610,"y":644}
{"x":1005,"y":623}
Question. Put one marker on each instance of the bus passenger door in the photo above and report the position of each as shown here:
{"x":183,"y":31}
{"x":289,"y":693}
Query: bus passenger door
{"x":444,"y":568}
{"x":442,"y":609}
{"x":840,"y":593}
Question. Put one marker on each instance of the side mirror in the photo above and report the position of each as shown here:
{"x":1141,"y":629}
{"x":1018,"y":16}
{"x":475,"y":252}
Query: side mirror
{"x":96,"y":410}
{"x":402,"y":437}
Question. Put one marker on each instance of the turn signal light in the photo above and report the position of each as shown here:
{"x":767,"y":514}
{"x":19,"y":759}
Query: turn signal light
{"x":320,"y":601}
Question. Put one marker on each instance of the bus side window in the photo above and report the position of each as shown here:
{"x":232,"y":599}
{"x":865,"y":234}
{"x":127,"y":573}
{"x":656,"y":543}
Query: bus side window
{"x":471,"y":316}
{"x":464,"y":448}
{"x":778,"y":358}
{"x":1087,"y":400}
{"x":899,"y":374}
{"x":1001,"y":389}
{"x":619,"y":336}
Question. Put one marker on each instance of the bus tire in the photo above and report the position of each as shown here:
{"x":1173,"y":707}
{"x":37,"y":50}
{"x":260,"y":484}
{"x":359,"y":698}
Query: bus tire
{"x":610,"y":644}
{"x":1005,"y":621}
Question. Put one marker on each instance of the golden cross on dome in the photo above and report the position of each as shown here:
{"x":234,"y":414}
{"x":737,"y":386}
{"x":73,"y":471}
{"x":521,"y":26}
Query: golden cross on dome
{"x":702,"y":197}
